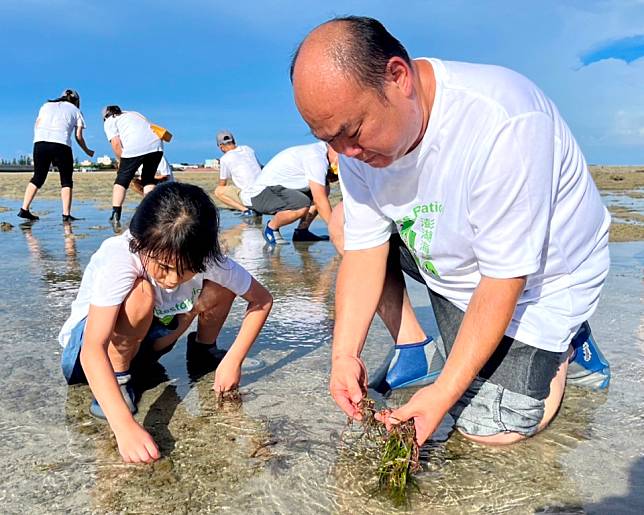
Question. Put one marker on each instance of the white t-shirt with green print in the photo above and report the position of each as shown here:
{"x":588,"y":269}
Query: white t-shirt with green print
{"x":113,"y":269}
{"x":497,"y":187}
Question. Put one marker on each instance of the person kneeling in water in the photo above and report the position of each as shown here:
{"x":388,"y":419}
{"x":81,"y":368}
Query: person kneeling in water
{"x":140,"y":293}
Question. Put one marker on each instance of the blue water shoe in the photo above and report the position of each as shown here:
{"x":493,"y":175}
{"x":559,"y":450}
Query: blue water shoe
{"x":273,"y":236}
{"x":587,"y":366}
{"x":411,"y":365}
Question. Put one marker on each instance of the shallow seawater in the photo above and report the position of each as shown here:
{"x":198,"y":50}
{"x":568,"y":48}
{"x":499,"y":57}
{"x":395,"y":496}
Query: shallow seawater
{"x":285,"y":449}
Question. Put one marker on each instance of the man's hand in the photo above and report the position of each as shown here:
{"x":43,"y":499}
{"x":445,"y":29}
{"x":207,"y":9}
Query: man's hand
{"x":136,"y":445}
{"x":89,"y":152}
{"x":426,"y":407}
{"x":227,"y":376}
{"x":348,"y":384}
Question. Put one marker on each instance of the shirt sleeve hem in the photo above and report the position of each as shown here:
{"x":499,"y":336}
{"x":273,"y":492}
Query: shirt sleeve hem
{"x":366,"y":244}
{"x":502,"y":272}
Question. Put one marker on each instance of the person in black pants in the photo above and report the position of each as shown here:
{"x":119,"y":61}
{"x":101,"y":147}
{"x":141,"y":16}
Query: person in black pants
{"x":135,"y":144}
{"x":57,"y":120}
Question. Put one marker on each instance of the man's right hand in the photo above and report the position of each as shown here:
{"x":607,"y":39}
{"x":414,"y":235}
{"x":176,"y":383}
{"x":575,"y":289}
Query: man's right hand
{"x":136,"y":445}
{"x":348,"y":384}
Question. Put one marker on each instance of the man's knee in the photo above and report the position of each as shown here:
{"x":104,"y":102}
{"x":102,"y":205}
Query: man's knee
{"x":219,"y":192}
{"x":498,"y":439}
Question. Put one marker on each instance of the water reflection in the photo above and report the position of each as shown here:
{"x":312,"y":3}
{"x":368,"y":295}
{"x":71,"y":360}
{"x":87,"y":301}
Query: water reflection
{"x":44,"y":262}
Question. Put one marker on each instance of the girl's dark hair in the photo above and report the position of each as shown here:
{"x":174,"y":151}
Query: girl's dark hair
{"x":69,"y":95}
{"x":364,"y":51}
{"x":178,"y":224}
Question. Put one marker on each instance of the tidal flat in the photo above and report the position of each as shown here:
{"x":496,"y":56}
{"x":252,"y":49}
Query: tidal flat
{"x":285,"y":449}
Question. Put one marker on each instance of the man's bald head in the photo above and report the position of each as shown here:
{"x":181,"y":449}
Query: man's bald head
{"x":357,"y":47}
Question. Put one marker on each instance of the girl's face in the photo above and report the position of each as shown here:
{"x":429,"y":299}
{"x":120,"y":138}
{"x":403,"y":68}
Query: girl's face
{"x":165,"y":274}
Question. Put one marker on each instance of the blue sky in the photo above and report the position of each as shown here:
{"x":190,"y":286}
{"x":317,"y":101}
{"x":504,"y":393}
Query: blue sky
{"x":196,"y":66}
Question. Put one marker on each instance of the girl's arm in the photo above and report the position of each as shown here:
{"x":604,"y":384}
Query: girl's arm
{"x":135,"y":444}
{"x":260,"y":302}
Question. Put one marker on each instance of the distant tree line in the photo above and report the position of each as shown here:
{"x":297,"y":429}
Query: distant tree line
{"x":21,"y":160}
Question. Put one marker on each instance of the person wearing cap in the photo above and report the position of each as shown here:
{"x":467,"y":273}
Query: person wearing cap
{"x":294,"y":186}
{"x":466,"y":177}
{"x":239,"y":165}
{"x":57,"y":120}
{"x":135,"y":144}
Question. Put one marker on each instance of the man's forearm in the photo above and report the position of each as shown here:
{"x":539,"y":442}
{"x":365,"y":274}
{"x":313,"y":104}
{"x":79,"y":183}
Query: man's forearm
{"x":359,"y":287}
{"x":486,"y":319}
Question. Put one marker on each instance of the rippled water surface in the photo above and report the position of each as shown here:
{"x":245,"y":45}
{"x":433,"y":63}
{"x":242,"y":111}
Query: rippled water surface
{"x":285,"y":450}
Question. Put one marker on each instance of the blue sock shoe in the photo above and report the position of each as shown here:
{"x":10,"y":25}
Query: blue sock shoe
{"x":123,"y":379}
{"x":587,"y":366}
{"x":273,"y":236}
{"x":411,"y":365}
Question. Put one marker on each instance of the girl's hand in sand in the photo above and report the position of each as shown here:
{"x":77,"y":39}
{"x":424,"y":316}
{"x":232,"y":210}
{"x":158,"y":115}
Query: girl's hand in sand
{"x":136,"y":445}
{"x":227,"y":376}
{"x":348,"y":384}
{"x":425,"y":407}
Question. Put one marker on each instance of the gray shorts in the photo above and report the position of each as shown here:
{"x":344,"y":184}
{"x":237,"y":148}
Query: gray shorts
{"x":274,"y":199}
{"x":509,"y":392}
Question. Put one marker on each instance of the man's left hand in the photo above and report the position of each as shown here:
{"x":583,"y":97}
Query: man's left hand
{"x":427,"y":409}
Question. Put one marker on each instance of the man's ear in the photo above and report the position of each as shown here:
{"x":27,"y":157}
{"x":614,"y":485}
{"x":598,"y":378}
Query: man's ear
{"x":399,"y":73}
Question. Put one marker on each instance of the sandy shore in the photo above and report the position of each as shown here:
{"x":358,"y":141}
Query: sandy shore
{"x":624,"y":186}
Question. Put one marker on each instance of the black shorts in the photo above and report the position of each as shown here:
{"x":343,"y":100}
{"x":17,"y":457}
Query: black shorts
{"x":274,"y":199}
{"x":46,"y":154}
{"x":129,"y":166}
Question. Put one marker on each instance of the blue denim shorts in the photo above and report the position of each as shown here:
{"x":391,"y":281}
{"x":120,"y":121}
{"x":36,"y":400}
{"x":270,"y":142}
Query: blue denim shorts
{"x":509,"y":393}
{"x":70,"y":358}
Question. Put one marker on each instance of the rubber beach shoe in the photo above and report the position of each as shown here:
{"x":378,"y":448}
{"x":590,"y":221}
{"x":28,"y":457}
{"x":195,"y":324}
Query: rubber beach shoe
{"x":128,"y":395}
{"x":411,"y":365}
{"x":28,"y":215}
{"x":587,"y":366}
{"x":273,"y":236}
{"x":306,"y":235}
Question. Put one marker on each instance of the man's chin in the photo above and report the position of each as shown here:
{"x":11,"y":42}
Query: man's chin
{"x":379,"y":161}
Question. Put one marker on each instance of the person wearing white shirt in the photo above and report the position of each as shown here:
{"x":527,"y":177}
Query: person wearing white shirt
{"x":141,"y":291}
{"x":135,"y":144}
{"x":469,"y":177}
{"x":294,"y":186}
{"x":239,"y":165}
{"x":57,"y":120}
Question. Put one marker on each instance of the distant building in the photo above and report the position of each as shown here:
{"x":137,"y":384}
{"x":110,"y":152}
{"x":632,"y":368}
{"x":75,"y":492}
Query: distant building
{"x":211,"y":163}
{"x":85,"y":163}
{"x":104,"y":160}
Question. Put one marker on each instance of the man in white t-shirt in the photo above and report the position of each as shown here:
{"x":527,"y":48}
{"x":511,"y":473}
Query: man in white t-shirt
{"x":135,"y":144}
{"x":239,"y":165}
{"x":294,"y":186}
{"x":492,"y":206}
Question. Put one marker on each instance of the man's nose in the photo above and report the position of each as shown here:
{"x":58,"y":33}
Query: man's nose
{"x":350,"y":150}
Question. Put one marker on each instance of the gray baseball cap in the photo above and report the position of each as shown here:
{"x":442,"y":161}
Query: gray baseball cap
{"x":225,"y":137}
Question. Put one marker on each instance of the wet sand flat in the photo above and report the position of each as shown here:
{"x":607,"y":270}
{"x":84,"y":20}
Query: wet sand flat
{"x":621,"y":186}
{"x":285,"y":449}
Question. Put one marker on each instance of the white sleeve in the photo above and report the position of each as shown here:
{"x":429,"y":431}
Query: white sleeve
{"x":364,"y":225}
{"x":224,"y":170}
{"x":80,"y":121}
{"x":229,"y":274}
{"x":110,"y":128}
{"x":510,"y":198}
{"x":315,"y":168}
{"x":115,"y":274}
